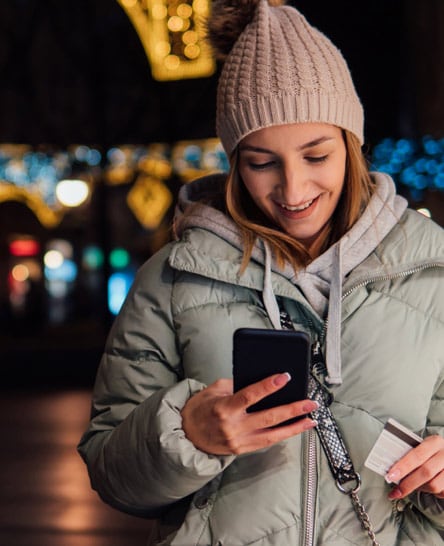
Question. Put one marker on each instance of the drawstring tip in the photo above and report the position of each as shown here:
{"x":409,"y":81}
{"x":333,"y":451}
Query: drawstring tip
{"x":331,"y":380}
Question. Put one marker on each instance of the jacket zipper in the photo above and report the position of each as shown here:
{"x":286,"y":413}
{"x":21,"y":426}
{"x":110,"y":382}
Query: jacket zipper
{"x":388,"y":276}
{"x":310,"y":458}
{"x":377,"y":278}
{"x":310,"y":453}
{"x":311,"y":486}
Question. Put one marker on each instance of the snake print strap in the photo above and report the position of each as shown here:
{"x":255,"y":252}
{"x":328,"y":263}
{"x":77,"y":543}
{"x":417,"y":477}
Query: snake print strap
{"x":327,"y":429}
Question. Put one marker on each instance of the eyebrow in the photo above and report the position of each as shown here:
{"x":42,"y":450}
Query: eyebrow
{"x":302,"y":147}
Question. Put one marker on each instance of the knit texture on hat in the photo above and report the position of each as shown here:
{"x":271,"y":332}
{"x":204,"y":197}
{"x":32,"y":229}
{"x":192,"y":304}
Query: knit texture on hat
{"x":282,"y":70}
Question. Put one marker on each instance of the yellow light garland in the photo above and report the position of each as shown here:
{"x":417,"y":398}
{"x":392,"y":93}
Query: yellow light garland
{"x":172,"y":33}
{"x":48,"y":216}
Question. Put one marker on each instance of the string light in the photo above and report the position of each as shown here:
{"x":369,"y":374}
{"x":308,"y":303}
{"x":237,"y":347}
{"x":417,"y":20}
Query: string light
{"x":72,"y":193}
{"x":415,"y":164}
{"x":172,"y":33}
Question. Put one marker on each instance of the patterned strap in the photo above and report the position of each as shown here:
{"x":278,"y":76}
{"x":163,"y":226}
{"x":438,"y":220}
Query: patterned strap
{"x":327,"y":429}
{"x":330,"y":436}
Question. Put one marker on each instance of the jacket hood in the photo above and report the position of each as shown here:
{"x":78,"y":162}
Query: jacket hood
{"x":203,"y":202}
{"x":355,"y":255}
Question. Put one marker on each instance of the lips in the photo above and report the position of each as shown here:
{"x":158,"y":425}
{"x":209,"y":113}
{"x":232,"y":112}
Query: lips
{"x":298,"y":208}
{"x":298,"y":212}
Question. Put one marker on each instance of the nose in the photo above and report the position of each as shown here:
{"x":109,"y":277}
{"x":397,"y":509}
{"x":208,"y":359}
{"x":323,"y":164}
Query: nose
{"x":293,"y":184}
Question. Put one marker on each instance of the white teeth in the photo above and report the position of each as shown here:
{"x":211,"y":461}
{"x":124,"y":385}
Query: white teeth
{"x":297,"y":209}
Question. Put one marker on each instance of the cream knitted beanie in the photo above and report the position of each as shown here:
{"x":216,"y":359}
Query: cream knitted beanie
{"x":277,"y":69}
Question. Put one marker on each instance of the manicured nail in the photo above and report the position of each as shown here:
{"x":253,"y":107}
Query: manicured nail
{"x":393,"y":476}
{"x":309,"y":424}
{"x":395,"y":494}
{"x":282,"y":379}
{"x":312,"y":405}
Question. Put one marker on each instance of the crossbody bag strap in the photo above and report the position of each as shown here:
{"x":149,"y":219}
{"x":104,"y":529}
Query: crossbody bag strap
{"x":330,"y":436}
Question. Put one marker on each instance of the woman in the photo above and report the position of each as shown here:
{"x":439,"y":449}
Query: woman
{"x":301,"y":232}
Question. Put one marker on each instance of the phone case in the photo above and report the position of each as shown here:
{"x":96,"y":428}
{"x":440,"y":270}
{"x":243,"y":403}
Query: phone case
{"x":259,"y":353}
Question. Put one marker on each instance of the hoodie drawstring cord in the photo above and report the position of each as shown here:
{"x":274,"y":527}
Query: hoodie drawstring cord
{"x":333,"y":340}
{"x":270,"y":303}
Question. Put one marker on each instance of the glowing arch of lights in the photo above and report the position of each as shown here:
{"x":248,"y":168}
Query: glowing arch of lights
{"x":172,"y":34}
{"x":47,"y":215}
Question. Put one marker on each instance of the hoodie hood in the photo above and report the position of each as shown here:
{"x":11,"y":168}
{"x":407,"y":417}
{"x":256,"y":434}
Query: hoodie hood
{"x":322,"y":280}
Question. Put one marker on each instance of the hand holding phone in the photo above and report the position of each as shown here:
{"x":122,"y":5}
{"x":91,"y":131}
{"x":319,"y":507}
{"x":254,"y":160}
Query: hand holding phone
{"x":260,"y":353}
{"x":216,"y":421}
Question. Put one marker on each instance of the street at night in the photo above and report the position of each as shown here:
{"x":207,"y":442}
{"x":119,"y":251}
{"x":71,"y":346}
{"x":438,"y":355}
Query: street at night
{"x":46,"y":498}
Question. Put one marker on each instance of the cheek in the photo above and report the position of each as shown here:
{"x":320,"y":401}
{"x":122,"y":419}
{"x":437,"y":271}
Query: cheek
{"x":337,"y":187}
{"x":341,"y":183}
{"x":254,"y":188}
{"x":335,"y":184}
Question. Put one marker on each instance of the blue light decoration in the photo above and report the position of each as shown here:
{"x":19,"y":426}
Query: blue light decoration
{"x":416,"y":164}
{"x":120,"y":280}
{"x":65,"y":272}
{"x":92,"y":258}
{"x":194,"y":158}
{"x":31,"y":175}
{"x":119,"y":284}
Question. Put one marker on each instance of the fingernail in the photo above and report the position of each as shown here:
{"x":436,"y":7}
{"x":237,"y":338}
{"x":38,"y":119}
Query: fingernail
{"x":312,"y":405}
{"x":282,"y":379}
{"x":310,"y":423}
{"x":395,"y":494}
{"x":393,"y":476}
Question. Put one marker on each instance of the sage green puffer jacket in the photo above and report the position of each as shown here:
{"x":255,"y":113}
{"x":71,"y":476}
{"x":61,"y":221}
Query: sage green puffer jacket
{"x":174,"y":336}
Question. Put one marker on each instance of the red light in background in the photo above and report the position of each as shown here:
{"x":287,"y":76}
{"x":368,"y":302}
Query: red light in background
{"x":24,"y":247}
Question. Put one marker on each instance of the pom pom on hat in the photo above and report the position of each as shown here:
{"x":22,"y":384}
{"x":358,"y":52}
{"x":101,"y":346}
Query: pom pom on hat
{"x":278,"y":69}
{"x":228,"y":20}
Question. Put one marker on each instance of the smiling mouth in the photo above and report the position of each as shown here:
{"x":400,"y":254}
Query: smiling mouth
{"x":300,"y":207}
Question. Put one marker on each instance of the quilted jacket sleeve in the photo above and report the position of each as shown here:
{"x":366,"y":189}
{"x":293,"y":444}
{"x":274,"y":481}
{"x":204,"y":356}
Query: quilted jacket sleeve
{"x":136,"y":452}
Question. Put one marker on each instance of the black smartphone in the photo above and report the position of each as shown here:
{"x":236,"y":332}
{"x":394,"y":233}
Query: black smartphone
{"x":259,"y":353}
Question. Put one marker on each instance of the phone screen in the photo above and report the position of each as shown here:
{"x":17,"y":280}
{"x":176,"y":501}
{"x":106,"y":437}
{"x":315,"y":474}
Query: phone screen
{"x":259,"y":353}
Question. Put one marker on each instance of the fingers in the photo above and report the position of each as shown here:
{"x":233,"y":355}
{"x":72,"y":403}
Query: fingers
{"x":422,"y":468}
{"x":217,"y":422}
{"x":273,"y":417}
{"x":259,"y":429}
{"x":248,"y":396}
{"x":263,"y":438}
{"x":257,"y":420}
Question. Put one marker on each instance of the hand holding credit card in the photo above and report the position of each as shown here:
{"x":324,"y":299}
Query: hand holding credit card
{"x":393,"y":443}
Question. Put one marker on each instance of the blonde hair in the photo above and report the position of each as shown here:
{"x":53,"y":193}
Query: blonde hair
{"x":253,"y":224}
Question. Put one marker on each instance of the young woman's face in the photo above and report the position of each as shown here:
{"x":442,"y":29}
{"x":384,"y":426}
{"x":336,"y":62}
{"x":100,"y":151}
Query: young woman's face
{"x":295,"y":174}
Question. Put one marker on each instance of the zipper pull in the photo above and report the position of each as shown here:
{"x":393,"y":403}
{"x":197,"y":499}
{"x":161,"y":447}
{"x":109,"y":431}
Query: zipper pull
{"x":318,"y":372}
{"x":317,"y":360}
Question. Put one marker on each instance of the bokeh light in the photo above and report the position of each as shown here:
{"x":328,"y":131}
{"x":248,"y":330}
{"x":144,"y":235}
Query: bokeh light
{"x":72,"y":193}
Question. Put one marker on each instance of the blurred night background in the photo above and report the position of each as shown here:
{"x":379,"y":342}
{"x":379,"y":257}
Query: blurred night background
{"x":78,"y":100}
{"x":93,"y":91}
{"x":106,"y":109}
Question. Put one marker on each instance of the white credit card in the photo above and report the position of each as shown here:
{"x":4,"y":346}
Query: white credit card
{"x":393,"y":443}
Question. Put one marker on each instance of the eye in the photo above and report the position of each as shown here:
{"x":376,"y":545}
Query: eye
{"x":261,"y":166}
{"x":316,"y":159}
